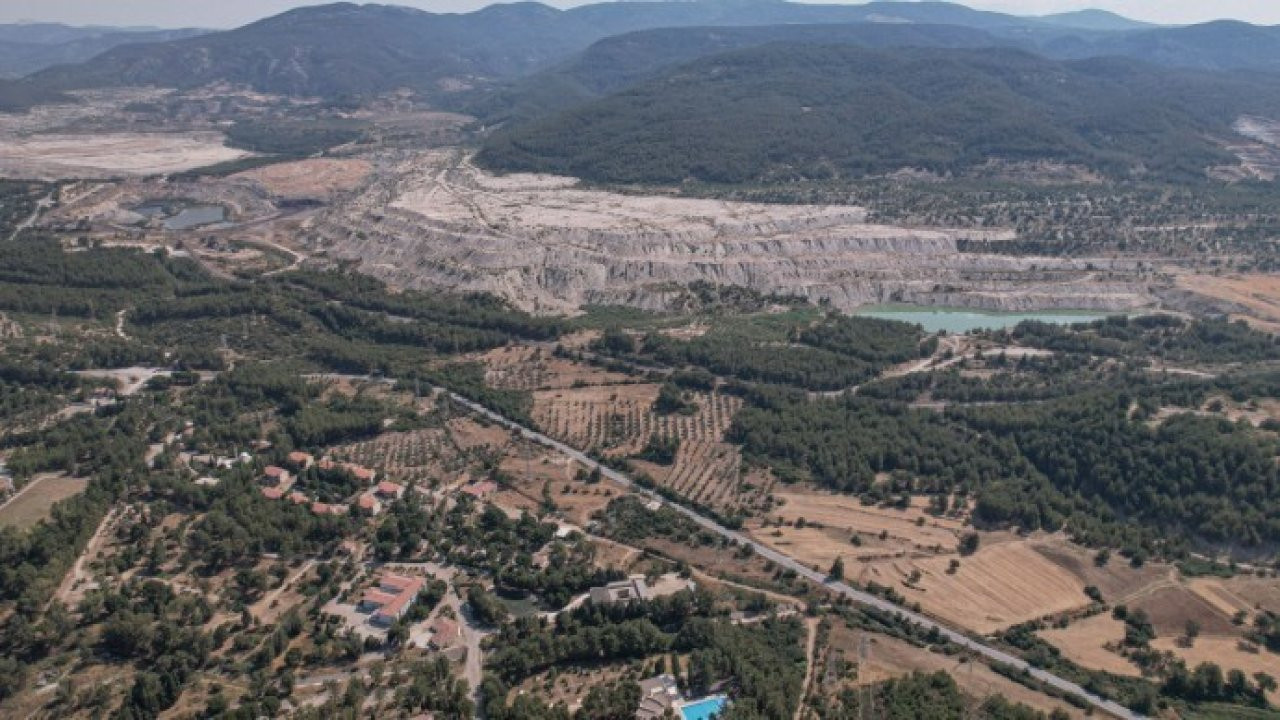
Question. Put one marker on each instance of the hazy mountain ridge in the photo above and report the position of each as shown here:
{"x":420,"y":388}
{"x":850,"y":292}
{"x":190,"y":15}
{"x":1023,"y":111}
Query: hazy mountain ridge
{"x":786,"y":111}
{"x":345,"y":49}
{"x":29,"y":47}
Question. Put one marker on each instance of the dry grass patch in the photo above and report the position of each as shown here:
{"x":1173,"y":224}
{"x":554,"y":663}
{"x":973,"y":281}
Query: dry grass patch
{"x":1084,"y":642}
{"x":1227,"y":653}
{"x":1244,"y":592}
{"x":35,"y":501}
{"x":314,"y":178}
{"x":543,"y":474}
{"x":999,"y":586}
{"x":1170,"y":608}
{"x":890,"y":658}
{"x":1117,"y":580}
{"x":816,"y":547}
{"x":848,"y":514}
{"x":468,"y":434}
{"x":1259,"y":293}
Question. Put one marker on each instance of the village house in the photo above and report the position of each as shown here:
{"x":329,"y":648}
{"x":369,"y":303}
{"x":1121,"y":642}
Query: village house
{"x":657,"y":695}
{"x":389,"y":601}
{"x":389,"y":490}
{"x":301,"y":460}
{"x":369,"y":503}
{"x":275,"y":476}
{"x":272,"y":493}
{"x":361,"y":473}
{"x":637,"y":587}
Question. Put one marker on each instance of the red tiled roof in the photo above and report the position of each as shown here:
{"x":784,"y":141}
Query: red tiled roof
{"x":368,"y":502}
{"x":272,"y":493}
{"x":362,"y":473}
{"x":397,"y":605}
{"x":400,"y":582}
{"x":377,"y":597}
{"x":298,"y":498}
{"x":327,"y":464}
{"x":273,"y":471}
{"x":299,"y":457}
{"x":388,"y":488}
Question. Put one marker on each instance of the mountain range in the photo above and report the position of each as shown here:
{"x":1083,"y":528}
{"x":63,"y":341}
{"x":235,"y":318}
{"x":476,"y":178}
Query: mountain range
{"x":345,"y":49}
{"x":737,"y":90}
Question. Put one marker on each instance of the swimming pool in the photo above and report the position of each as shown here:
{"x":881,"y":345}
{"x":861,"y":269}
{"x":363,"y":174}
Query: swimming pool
{"x":704,"y":709}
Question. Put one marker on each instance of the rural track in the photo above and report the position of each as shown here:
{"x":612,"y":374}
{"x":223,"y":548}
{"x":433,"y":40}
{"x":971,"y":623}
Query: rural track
{"x":860,"y":597}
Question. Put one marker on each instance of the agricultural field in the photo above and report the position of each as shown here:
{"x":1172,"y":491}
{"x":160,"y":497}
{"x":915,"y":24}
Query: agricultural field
{"x":888,"y":657}
{"x":619,"y":421}
{"x":910,"y":527}
{"x":33,"y":502}
{"x":1258,"y":295}
{"x":1117,"y":581}
{"x":1171,"y":607}
{"x":1227,"y":652}
{"x":610,"y":419}
{"x":1243,"y":592}
{"x":999,"y":586}
{"x":1084,"y":643}
{"x":540,"y":479}
{"x":526,"y":367}
{"x":417,"y":456}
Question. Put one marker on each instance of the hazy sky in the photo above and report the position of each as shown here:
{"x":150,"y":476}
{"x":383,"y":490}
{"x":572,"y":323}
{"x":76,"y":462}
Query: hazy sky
{"x":228,"y":13}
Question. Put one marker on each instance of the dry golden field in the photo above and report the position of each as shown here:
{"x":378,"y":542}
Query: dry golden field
{"x":34,"y":502}
{"x":1259,"y":293}
{"x":1084,"y":641}
{"x":890,"y":658}
{"x":1227,"y":652}
{"x":998,"y":586}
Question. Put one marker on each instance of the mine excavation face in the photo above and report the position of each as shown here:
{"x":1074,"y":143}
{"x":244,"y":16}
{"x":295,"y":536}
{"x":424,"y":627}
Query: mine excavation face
{"x":550,"y":245}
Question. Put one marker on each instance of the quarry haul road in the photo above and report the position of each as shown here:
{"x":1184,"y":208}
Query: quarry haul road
{"x":786,"y":561}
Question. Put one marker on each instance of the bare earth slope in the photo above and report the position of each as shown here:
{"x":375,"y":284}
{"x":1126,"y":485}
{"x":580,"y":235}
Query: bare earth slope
{"x":550,"y":246}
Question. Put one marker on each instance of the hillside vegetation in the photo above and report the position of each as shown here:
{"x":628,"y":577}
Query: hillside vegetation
{"x":786,"y":111}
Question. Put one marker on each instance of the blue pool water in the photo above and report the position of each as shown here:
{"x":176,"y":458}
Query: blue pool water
{"x":704,"y":709}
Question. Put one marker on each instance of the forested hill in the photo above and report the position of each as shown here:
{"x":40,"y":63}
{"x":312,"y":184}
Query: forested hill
{"x":20,"y":96}
{"x":619,"y":62}
{"x":786,"y":110}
